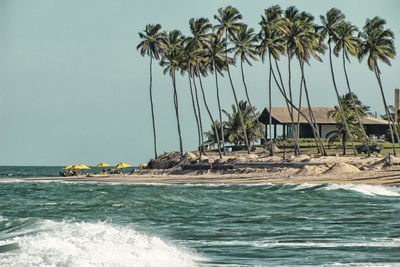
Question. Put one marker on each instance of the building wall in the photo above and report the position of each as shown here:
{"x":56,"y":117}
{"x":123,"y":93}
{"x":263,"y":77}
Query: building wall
{"x":325,"y":129}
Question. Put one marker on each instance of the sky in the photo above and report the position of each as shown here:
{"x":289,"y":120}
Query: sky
{"x":74,"y":89}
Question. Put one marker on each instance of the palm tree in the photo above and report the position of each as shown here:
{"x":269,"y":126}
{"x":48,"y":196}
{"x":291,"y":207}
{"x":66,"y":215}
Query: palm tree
{"x":216,"y":64}
{"x":346,"y":41}
{"x":272,"y":43}
{"x":171,"y":60}
{"x":330,"y":23}
{"x":200,"y":31}
{"x":378,"y":45}
{"x":245,"y":47}
{"x":233,"y":126}
{"x":229,"y":21}
{"x":188,"y":64}
{"x":304,"y":43}
{"x":151,"y":46}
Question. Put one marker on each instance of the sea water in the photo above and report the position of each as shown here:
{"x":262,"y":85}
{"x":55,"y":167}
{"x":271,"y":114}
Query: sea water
{"x":99,"y":224}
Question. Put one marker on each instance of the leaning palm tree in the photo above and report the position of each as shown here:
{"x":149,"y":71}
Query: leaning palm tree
{"x":306,"y":44}
{"x":151,"y":46}
{"x":200,"y":31}
{"x":272,"y":43}
{"x":245,"y":47}
{"x":217,"y":64}
{"x":330,"y":23}
{"x":188,"y":65}
{"x":378,"y":45}
{"x":171,"y":60}
{"x":229,"y":21}
{"x":346,"y":41}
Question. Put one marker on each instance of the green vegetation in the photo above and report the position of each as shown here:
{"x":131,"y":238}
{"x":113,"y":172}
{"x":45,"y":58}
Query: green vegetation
{"x":214,"y":49}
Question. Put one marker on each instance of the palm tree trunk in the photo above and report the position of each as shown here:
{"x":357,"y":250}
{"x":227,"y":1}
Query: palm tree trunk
{"x":251,"y":106}
{"x":219,"y":110}
{"x":354,"y":104}
{"x":344,"y":144}
{"x":211,"y":117}
{"x":390,"y":119}
{"x":270,"y":107}
{"x":293,"y":105}
{"x":234,"y":95}
{"x":297,"y":147}
{"x":195,"y":112}
{"x":152,"y":108}
{"x":338,"y":99}
{"x":316,"y":132}
{"x":290,"y":110}
{"x":200,"y":120}
{"x":177,"y":113}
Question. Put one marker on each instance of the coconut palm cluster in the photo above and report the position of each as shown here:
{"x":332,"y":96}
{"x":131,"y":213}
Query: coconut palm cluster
{"x":283,"y":34}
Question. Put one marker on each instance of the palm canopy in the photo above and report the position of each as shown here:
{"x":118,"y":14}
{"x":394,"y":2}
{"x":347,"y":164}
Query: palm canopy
{"x":377,"y":43}
{"x":271,"y":36}
{"x":245,"y":42}
{"x":345,"y":38}
{"x":228,"y":19}
{"x":217,"y":54}
{"x":330,"y":23}
{"x":200,"y":29}
{"x":151,"y":41}
{"x":173,"y":55}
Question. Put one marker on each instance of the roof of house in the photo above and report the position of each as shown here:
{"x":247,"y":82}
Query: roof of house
{"x":280,"y":115}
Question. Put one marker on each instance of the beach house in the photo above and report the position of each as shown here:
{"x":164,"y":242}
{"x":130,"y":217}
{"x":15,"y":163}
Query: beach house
{"x":282,"y":123}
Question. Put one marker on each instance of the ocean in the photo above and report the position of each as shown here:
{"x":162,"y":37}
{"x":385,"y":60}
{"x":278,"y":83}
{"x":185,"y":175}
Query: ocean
{"x":116,"y":224}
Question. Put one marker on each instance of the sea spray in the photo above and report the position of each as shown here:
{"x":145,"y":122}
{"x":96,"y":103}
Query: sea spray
{"x":92,"y":244}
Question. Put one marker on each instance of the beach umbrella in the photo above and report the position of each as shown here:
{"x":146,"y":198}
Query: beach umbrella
{"x":67,"y":167}
{"x":76,"y":167}
{"x":83,"y":166}
{"x":122,"y":165}
{"x":102,"y":165}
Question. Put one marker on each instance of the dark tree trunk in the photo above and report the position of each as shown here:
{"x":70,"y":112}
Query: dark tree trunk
{"x":211,"y":118}
{"x":338,"y":99}
{"x":390,"y":119}
{"x":316,"y":132}
{"x":354,"y":104}
{"x":177,"y":113}
{"x":219,"y":111}
{"x":195,"y":112}
{"x":251,"y":106}
{"x":152,"y":109}
{"x":235,"y":97}
{"x":290,"y":110}
{"x":270,"y":106}
{"x":200,"y":120}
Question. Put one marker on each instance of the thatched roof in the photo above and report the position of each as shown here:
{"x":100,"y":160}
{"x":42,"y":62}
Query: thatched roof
{"x":280,"y":115}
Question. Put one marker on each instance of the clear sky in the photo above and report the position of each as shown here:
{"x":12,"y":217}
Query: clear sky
{"x":73,"y":88}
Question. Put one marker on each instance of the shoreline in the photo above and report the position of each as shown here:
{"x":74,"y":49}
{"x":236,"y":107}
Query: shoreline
{"x":390,"y":177}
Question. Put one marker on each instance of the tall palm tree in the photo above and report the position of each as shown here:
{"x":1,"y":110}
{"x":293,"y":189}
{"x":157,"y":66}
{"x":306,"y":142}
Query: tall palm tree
{"x":245,"y":47}
{"x":272,"y":43}
{"x":303,"y":41}
{"x":330,"y":23}
{"x":378,"y":45}
{"x":229,"y":21}
{"x":346,"y":41}
{"x":151,"y":46}
{"x":171,"y":60}
{"x":188,"y":65}
{"x":200,"y":30}
{"x":217,"y":64}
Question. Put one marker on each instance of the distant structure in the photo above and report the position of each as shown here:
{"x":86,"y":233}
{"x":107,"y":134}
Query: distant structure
{"x":325,"y":124}
{"x":396,"y":105}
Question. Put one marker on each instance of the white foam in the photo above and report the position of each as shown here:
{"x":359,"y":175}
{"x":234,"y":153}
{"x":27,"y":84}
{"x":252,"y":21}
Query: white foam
{"x":371,"y":190}
{"x":93,"y":244}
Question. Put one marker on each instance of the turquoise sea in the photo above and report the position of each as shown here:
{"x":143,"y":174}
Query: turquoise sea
{"x":99,"y":224}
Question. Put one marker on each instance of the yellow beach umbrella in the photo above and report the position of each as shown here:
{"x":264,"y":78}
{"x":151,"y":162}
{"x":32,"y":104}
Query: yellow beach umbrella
{"x":76,"y":167}
{"x":102,"y":165}
{"x":122,"y":165}
{"x":67,"y":167}
{"x":83,"y":166}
